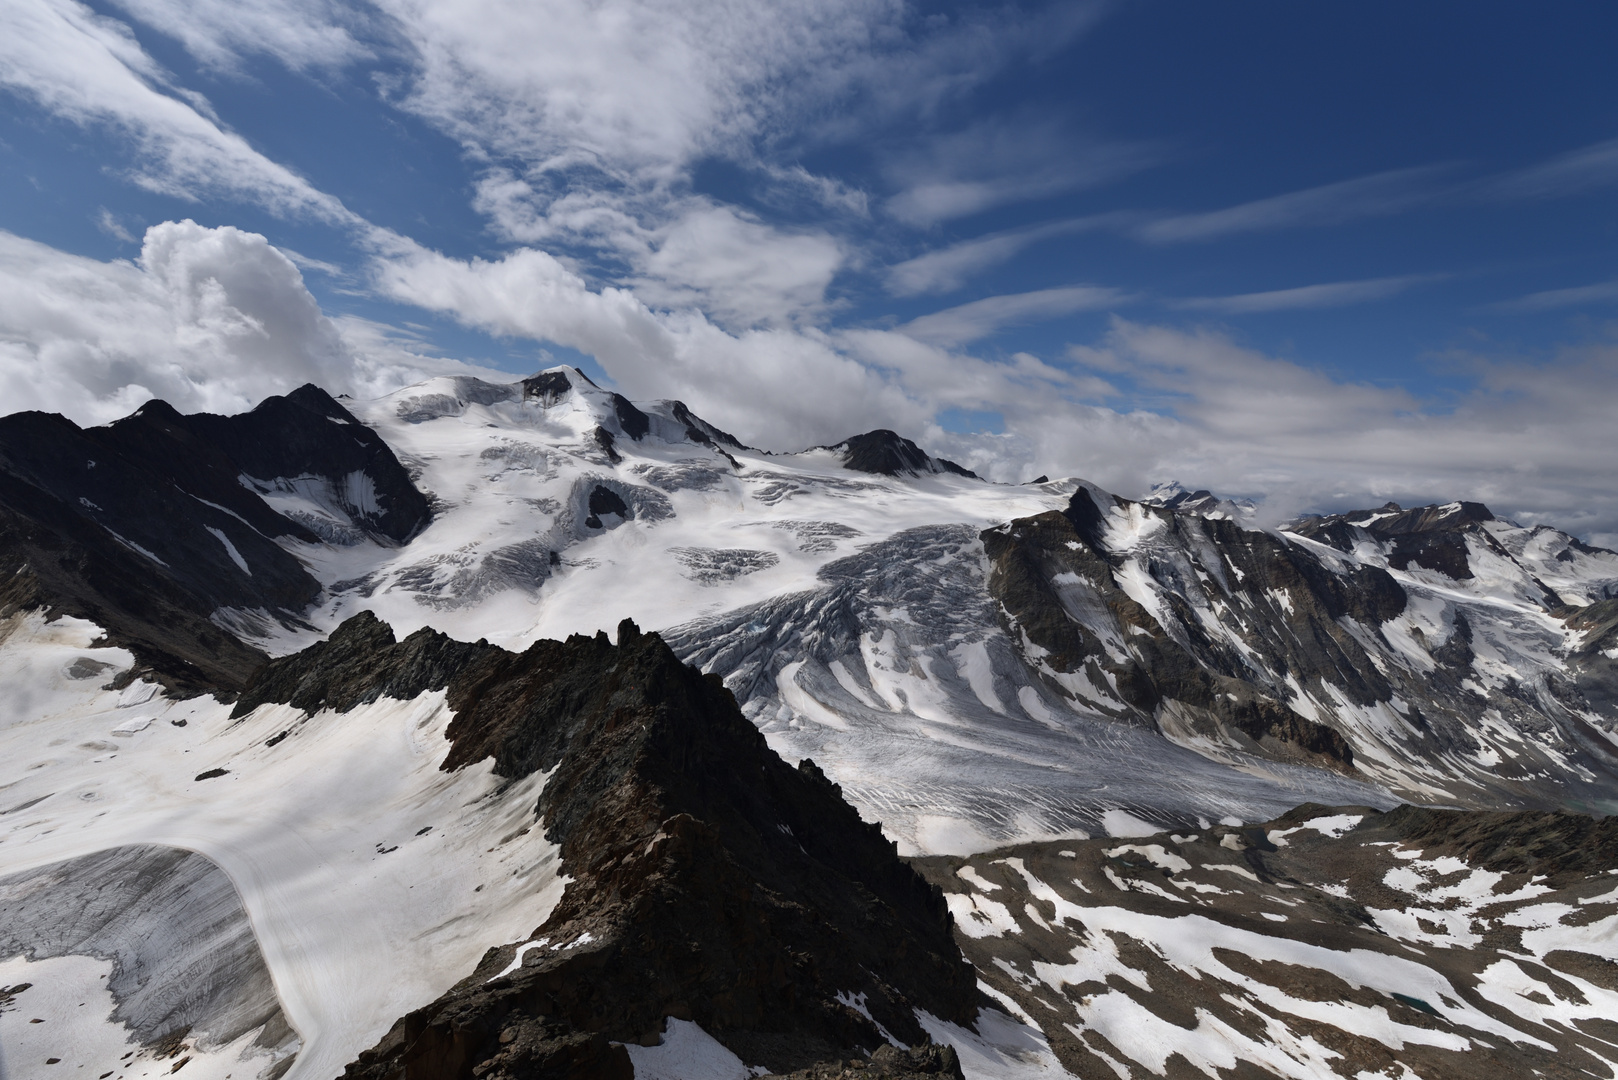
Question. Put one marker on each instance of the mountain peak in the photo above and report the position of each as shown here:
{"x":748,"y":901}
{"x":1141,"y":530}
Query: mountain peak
{"x":890,"y":454}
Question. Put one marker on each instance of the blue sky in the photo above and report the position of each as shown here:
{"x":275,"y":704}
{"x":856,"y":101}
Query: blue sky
{"x":1315,"y":254}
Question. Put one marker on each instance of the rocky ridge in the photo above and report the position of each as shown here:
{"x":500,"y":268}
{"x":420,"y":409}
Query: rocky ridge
{"x":708,"y":878}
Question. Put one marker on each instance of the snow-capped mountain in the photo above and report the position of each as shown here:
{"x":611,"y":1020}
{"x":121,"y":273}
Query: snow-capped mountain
{"x":970,"y":664}
{"x":1075,"y":654}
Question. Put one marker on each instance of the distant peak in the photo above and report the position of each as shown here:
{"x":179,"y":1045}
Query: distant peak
{"x":888,"y":453}
{"x":1172,"y":495}
{"x":1391,"y":519}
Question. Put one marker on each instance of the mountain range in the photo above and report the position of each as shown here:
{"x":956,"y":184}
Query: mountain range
{"x":509,"y":730}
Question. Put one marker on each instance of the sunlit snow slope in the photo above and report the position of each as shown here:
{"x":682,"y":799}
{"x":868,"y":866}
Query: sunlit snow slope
{"x":371,"y":879}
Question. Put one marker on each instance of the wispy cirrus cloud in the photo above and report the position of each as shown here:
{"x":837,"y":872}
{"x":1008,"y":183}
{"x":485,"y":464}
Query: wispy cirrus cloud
{"x":947,"y":269}
{"x":89,"y":70}
{"x":1325,"y":295}
{"x":1602,"y":292}
{"x":980,"y":318}
{"x":303,"y":35}
{"x":1378,"y":195}
{"x":1003,"y":160}
{"x":1584,"y":169}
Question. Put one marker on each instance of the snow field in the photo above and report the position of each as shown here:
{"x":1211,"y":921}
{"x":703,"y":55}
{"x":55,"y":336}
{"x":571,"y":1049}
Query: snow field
{"x":373,"y":881}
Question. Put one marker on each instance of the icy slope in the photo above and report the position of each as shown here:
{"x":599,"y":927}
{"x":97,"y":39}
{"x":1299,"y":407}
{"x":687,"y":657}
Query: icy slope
{"x":564,"y":508}
{"x":372,"y":880}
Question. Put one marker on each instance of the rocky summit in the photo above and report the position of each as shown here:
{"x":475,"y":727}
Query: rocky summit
{"x":520,"y":730}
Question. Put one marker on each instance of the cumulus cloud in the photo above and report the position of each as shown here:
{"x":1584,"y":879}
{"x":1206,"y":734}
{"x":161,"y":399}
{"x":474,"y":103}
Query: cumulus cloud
{"x":89,"y":70}
{"x":207,"y":319}
{"x":1530,"y":440}
{"x":779,"y":388}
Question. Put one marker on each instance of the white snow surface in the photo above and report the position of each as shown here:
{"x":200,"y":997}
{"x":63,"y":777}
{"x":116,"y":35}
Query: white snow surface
{"x":372,"y":880}
{"x":518,"y":472}
{"x":686,"y":1052}
{"x":936,"y":721}
{"x":69,"y":994}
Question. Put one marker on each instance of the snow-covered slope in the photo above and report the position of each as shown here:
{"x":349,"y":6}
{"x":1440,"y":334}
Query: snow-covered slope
{"x":971,"y":669}
{"x":561,"y":508}
{"x":336,"y":831}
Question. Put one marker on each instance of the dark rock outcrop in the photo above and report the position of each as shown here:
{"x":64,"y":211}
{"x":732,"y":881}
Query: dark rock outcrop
{"x":890,"y":454}
{"x":710,"y":880}
{"x":1092,"y":624}
{"x":147,"y":528}
{"x":308,"y":433}
{"x":1430,"y":537}
{"x":699,"y":430}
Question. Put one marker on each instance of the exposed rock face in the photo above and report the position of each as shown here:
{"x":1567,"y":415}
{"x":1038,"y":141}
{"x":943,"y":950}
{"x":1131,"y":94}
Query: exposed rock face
{"x":149,"y":527}
{"x":699,"y":430}
{"x":1057,"y":580}
{"x":709,"y":879}
{"x":309,"y":434}
{"x":1331,"y":942}
{"x":1306,"y":647}
{"x":890,"y":454}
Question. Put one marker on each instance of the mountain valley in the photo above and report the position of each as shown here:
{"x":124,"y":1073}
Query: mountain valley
{"x":509,"y":730}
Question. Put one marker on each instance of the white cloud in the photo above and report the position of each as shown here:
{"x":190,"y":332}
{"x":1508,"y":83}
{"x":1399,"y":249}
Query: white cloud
{"x":1530,"y":440}
{"x":1330,"y":294}
{"x":1002,"y":160}
{"x":778,"y":388}
{"x":302,"y":34}
{"x":90,"y":70}
{"x":980,"y":318}
{"x":108,"y":223}
{"x":1377,"y":195}
{"x":590,"y":116}
{"x":207,"y":319}
{"x":625,"y":86}
{"x":946,"y":269}
{"x":1585,"y":169}
{"x":738,"y":270}
{"x":217,"y":319}
{"x":1602,"y":292}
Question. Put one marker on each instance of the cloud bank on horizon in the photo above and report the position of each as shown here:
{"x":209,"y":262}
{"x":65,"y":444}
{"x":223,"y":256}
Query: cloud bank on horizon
{"x":1131,"y":243}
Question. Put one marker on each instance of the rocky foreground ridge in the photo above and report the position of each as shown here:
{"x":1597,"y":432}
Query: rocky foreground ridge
{"x":710,"y":881}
